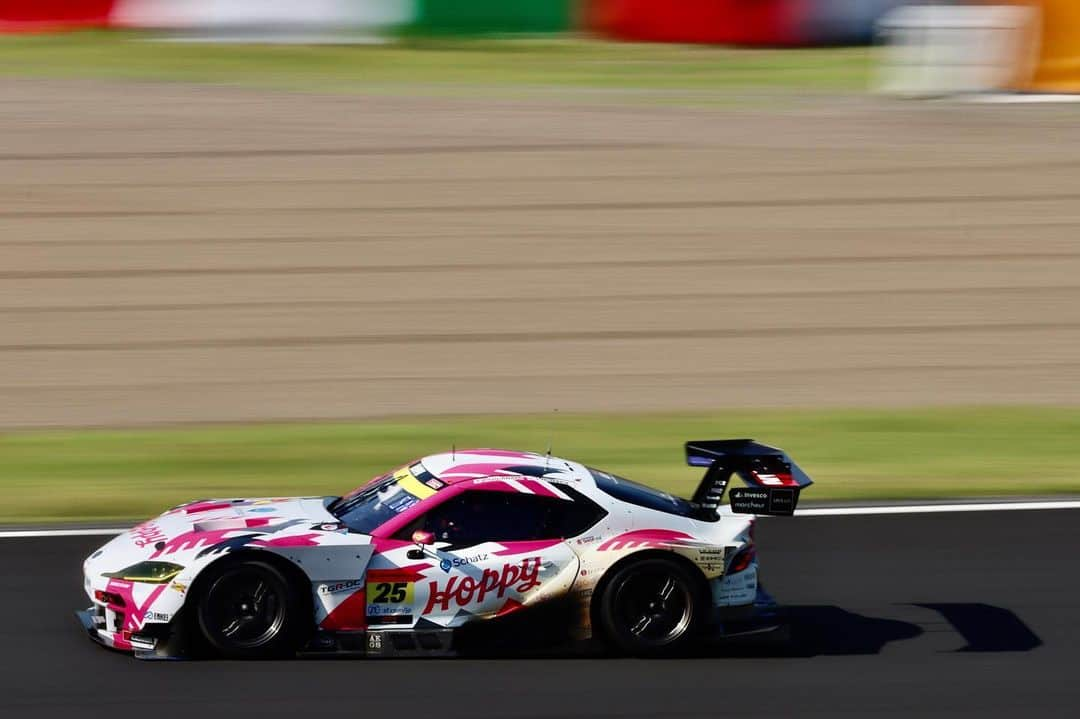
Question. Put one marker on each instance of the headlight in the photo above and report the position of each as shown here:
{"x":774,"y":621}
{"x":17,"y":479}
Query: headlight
{"x":149,"y":572}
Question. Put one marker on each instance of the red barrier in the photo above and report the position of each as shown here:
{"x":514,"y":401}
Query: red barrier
{"x":47,"y":15}
{"x":725,"y":22}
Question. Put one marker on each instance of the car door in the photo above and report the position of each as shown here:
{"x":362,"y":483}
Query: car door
{"x":495,"y":552}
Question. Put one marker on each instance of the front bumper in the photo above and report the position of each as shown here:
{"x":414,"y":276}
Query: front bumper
{"x":95,"y":620}
{"x":156,"y":643}
{"x":140,"y":618}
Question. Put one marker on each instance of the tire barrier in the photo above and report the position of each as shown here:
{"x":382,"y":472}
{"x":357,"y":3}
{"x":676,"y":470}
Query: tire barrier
{"x":280,"y":17}
{"x":739,"y":22}
{"x":51,"y":15}
{"x":267,"y":18}
{"x":724,"y":22}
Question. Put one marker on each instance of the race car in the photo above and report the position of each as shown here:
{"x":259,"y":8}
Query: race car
{"x":453,"y":548}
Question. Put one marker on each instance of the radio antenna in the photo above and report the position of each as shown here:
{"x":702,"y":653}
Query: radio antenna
{"x":453,"y":451}
{"x":547,"y":457}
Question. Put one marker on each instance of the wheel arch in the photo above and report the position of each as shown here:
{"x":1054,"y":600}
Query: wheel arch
{"x":296,"y":577}
{"x":652,"y":553}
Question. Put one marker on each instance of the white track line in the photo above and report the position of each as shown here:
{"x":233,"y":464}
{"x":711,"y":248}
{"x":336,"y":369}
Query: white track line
{"x":935,"y":508}
{"x":25,"y":533}
{"x":813,"y":512}
{"x":1007,"y":98}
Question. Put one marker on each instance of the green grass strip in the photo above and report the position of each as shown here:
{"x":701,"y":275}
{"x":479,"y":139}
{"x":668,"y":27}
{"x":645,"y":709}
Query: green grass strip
{"x":452,"y":64}
{"x":852,"y":454}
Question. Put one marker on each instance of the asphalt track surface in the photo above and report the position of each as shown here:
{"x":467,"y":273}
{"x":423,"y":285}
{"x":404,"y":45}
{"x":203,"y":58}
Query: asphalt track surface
{"x":972,"y":615}
{"x":174,"y":253}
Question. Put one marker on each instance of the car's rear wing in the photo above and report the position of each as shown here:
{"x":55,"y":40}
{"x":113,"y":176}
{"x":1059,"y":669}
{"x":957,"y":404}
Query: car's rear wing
{"x":774,"y":480}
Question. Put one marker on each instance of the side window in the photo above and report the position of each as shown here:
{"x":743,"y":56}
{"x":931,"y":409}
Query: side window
{"x":474,"y":517}
{"x":577,"y":516}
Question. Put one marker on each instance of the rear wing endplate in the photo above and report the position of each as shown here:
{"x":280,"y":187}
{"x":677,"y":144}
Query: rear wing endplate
{"x":774,"y":480}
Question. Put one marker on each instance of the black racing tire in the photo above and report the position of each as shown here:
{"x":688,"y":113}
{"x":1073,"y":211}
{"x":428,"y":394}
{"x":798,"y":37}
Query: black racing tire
{"x":651,"y":607}
{"x":247,"y":610}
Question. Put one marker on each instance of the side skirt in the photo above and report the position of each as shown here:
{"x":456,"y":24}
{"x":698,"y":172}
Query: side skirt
{"x":383,"y":643}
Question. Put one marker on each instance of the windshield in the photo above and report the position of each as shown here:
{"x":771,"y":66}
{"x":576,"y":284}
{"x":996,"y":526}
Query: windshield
{"x":383,"y":499}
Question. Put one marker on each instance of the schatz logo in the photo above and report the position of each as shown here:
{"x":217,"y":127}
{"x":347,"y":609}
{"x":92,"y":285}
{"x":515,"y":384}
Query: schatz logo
{"x":449,"y":563}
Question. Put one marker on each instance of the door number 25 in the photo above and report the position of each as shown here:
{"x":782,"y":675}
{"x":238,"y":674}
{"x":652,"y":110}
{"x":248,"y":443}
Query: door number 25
{"x":390,"y":593}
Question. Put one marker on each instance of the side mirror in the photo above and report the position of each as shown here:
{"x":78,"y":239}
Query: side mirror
{"x":422,"y":539}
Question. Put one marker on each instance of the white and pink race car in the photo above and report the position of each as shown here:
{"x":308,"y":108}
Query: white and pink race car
{"x":453,"y":550}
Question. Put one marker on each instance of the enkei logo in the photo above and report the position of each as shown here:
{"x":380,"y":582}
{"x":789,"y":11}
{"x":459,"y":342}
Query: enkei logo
{"x":464,"y":590}
{"x":147,"y":533}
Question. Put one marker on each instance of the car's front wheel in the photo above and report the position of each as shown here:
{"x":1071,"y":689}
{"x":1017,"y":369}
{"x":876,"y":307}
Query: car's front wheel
{"x":651,"y":607}
{"x":245,"y":610}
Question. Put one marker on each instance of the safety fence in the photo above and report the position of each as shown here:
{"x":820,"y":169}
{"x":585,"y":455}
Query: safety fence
{"x":1040,"y":53}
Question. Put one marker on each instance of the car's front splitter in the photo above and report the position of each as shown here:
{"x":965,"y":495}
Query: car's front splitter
{"x":142,"y":646}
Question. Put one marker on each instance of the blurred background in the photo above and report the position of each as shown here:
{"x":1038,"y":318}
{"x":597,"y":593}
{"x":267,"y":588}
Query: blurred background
{"x":262,"y":248}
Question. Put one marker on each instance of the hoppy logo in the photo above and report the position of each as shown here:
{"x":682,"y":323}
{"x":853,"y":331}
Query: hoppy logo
{"x":462,"y":591}
{"x":147,"y":533}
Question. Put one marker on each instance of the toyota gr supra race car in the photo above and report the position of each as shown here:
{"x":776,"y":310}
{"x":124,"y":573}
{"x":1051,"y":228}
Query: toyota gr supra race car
{"x":446,"y":550}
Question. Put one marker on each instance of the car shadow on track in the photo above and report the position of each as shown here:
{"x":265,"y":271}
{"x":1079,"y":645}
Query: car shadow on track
{"x":987,"y":628}
{"x":834,"y":631}
{"x":824,"y":630}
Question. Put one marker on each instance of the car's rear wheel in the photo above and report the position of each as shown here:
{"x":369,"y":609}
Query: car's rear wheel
{"x":651,"y":607}
{"x":246,"y":610}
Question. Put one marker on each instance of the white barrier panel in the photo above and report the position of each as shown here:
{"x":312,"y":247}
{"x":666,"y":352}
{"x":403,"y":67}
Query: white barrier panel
{"x":934,"y":50}
{"x":287,"y":17}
